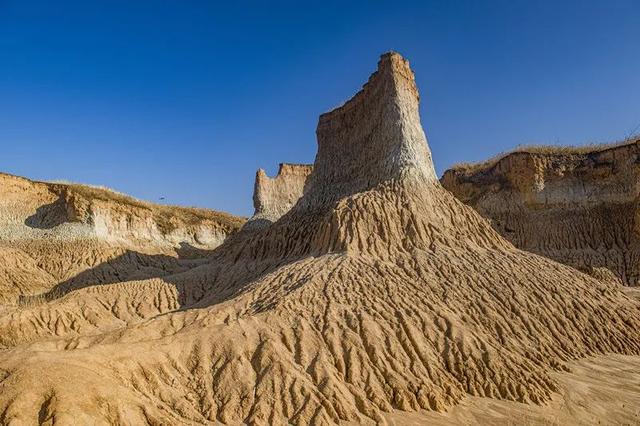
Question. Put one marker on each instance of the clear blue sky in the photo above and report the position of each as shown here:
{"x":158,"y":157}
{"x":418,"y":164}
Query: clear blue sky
{"x":186,"y":100}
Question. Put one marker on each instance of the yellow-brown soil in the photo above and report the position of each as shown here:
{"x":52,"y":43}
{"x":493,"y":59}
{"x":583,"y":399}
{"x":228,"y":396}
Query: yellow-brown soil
{"x":378,"y":291}
{"x":576,"y":206}
{"x":58,"y":237}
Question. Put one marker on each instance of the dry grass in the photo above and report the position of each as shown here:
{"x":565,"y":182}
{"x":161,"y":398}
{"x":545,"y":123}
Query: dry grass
{"x":190,"y":215}
{"x":470,"y":167}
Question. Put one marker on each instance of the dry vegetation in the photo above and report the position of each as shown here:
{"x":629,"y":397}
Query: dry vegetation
{"x":551,"y":150}
{"x":162,"y":212}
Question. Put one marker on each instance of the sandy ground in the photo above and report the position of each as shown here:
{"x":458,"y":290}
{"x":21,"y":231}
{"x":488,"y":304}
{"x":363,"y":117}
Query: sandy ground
{"x":603,"y":390}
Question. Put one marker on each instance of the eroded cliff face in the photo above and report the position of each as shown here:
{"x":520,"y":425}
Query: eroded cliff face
{"x":385,"y":139}
{"x":66,"y":235}
{"x":30,"y":209}
{"x":273,"y":197}
{"x":579,"y":208}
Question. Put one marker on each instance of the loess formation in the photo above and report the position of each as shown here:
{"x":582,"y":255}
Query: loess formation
{"x":273,"y":197}
{"x":58,"y":237}
{"x":576,"y":206}
{"x":377,"y":291}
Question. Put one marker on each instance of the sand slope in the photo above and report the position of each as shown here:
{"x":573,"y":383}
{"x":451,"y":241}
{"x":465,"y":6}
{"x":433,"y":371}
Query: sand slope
{"x":601,"y":390}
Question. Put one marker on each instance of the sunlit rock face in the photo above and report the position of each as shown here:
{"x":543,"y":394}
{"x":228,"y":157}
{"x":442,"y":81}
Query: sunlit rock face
{"x":273,"y":197}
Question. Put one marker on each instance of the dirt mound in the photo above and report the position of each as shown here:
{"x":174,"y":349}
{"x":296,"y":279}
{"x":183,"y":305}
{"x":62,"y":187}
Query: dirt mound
{"x":56,"y":237}
{"x":574,"y":206}
{"x":273,"y":197}
{"x":377,"y":291}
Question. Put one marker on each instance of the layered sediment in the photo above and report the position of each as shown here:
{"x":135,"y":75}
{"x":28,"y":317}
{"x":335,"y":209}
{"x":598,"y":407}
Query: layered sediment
{"x":55,"y":235}
{"x":577,"y":206}
{"x":31,"y":209}
{"x":377,"y":291}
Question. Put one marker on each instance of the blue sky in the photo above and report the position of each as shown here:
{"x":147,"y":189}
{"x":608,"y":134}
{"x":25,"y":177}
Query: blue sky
{"x":185,"y":100}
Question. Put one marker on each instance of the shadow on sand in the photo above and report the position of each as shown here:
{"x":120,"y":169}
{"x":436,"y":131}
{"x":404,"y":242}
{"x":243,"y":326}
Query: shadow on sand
{"x":129,"y":266}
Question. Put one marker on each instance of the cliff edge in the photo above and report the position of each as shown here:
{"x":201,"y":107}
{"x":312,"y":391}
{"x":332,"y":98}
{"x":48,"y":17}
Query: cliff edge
{"x":56,"y":236}
{"x":577,"y":206}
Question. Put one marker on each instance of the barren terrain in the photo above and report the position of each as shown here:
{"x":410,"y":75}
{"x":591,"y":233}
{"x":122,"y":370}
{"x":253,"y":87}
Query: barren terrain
{"x":377,"y":297}
{"x":273,"y":197}
{"x":57,"y":237}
